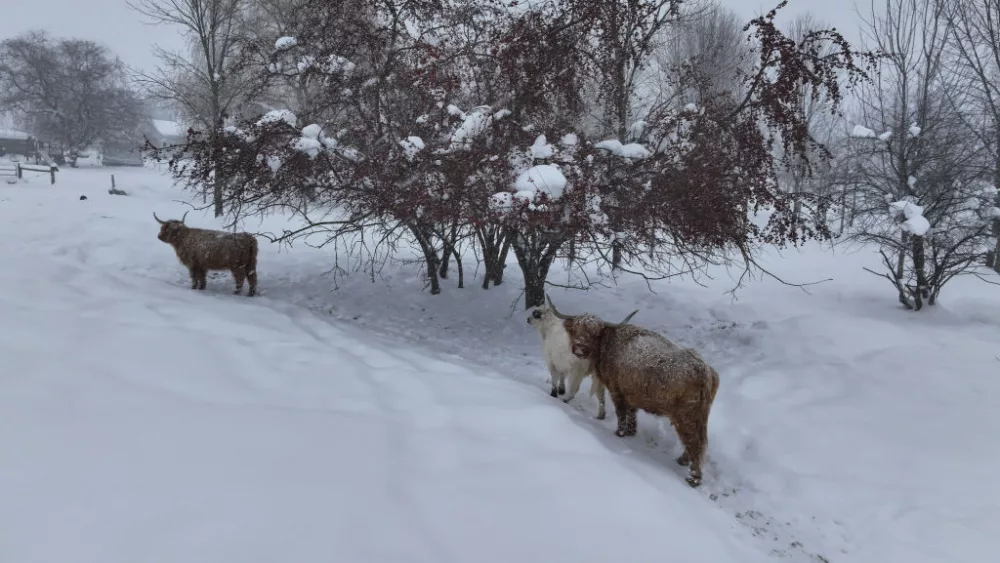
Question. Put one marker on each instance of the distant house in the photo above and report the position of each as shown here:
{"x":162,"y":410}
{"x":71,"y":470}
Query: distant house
{"x":162,"y":132}
{"x":14,"y":142}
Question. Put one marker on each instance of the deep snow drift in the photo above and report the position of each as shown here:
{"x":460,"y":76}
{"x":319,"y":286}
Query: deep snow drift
{"x":373,"y":422}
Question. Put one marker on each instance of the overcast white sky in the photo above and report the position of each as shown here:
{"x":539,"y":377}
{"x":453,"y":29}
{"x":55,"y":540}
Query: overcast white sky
{"x":122,"y":30}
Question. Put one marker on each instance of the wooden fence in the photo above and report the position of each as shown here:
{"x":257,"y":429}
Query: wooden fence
{"x":17,"y":169}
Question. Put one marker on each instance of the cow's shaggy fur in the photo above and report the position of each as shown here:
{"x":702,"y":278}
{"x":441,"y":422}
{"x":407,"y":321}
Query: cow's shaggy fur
{"x":643,"y":370}
{"x":201,"y":250}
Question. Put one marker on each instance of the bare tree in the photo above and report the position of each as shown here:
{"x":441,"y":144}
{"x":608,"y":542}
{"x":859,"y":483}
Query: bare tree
{"x":976,"y":27}
{"x":71,"y":92}
{"x":700,"y":57}
{"x":204,"y":84}
{"x":811,"y":186}
{"x":919,"y":181}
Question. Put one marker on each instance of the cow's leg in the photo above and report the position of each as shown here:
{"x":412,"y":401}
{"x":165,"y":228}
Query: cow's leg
{"x":238,"y":274}
{"x":252,"y":279}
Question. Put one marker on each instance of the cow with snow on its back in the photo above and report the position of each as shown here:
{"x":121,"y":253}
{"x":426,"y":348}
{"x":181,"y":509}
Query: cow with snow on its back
{"x":202,"y":250}
{"x":559,"y":357}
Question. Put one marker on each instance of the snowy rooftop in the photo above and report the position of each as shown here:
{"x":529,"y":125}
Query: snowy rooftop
{"x":170,"y":128}
{"x":13,"y":134}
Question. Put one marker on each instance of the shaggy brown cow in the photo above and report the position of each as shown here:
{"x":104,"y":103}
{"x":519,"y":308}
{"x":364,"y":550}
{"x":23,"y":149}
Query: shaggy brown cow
{"x":201,"y":250}
{"x":643,"y":370}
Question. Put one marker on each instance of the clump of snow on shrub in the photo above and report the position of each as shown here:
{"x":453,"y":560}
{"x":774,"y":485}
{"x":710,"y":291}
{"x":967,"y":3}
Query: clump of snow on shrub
{"x":312,"y":131}
{"x":862,"y":132}
{"x":569,"y":140}
{"x":614,"y":146}
{"x":274,"y":163}
{"x":501,"y":202}
{"x":634,"y":151}
{"x":544,"y":178}
{"x":541,"y":148}
{"x":914,"y":221}
{"x":278,"y":115}
{"x":311,"y":147}
{"x":474,"y":124}
{"x":236,"y":131}
{"x":411,"y":146}
{"x":914,"y":130}
{"x":885,"y":136}
{"x":285,"y":43}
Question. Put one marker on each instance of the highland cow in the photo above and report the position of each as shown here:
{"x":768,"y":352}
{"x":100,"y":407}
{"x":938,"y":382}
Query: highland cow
{"x":643,"y":370}
{"x":201,"y":250}
{"x":559,"y":358}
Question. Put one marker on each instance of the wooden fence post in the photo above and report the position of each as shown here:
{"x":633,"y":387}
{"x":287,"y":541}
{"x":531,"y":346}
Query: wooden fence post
{"x":52,"y":171}
{"x":17,"y":170}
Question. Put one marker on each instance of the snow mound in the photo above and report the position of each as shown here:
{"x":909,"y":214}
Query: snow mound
{"x":544,"y":178}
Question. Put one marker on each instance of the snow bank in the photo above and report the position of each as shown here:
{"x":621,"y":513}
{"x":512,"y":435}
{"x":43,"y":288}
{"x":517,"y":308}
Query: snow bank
{"x":544,"y":178}
{"x":145,"y":421}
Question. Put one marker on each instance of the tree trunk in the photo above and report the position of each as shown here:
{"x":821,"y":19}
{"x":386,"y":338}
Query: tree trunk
{"x":900,"y":270}
{"x":448,"y":251}
{"x":494,"y":244}
{"x":459,"y":268}
{"x":217,"y":194}
{"x":534,"y":290}
{"x":919,"y":262}
{"x":501,"y":263}
{"x":431,"y":261}
{"x":535,"y":254}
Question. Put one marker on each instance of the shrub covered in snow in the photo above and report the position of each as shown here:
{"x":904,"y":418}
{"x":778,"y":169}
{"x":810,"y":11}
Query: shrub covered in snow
{"x":447,"y":140}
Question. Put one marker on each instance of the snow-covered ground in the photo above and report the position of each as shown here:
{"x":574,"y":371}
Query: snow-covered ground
{"x":140,"y":420}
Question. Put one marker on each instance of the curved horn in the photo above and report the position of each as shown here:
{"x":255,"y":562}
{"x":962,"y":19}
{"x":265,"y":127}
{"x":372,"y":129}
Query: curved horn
{"x":185,"y":216}
{"x":556,"y":311}
{"x":624,"y":322}
{"x":158,"y":220}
